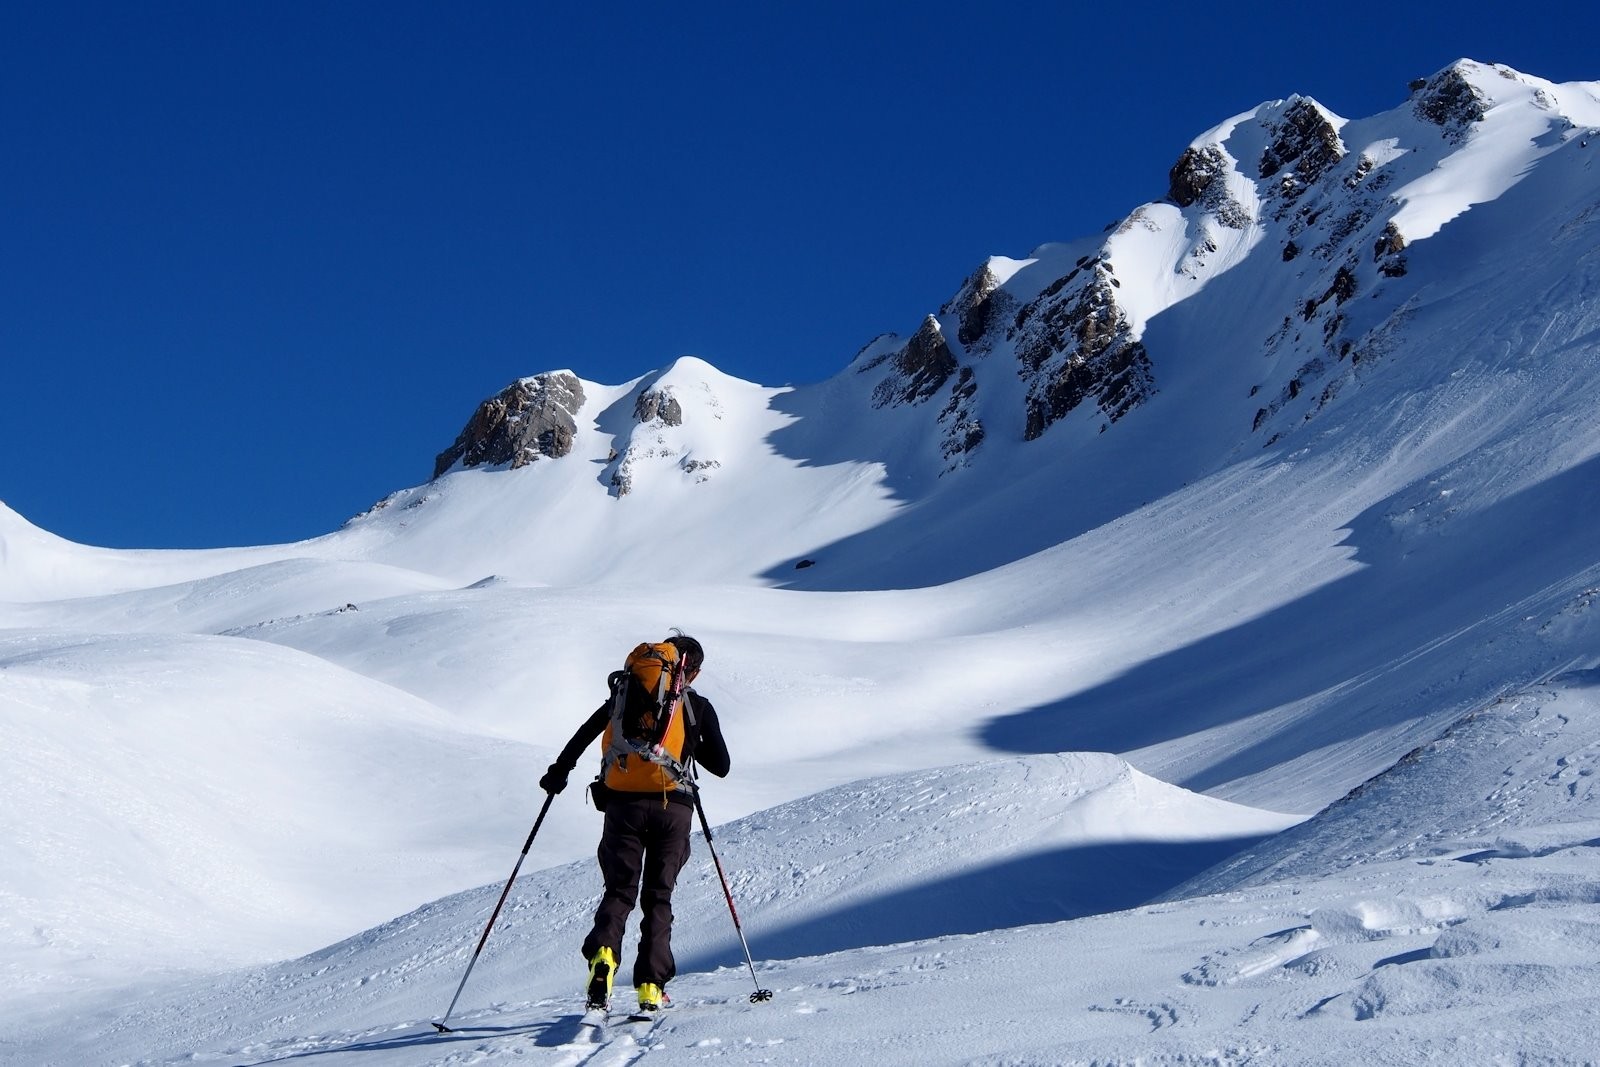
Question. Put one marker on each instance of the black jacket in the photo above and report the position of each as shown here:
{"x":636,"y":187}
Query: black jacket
{"x":702,"y":742}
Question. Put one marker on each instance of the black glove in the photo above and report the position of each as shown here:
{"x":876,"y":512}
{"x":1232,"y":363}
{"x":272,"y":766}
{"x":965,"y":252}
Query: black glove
{"x":554,"y":780}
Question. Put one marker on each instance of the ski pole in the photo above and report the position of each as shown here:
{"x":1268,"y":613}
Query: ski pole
{"x":440,"y":1025}
{"x":705,"y":827}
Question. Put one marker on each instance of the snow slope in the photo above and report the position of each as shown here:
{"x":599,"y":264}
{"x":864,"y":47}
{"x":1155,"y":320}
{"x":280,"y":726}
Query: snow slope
{"x":172,"y":802}
{"x":1254,"y":724}
{"x":1479,"y":945}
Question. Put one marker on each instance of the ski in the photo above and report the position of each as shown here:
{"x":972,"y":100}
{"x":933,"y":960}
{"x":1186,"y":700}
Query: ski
{"x":596,"y":1020}
{"x":593,"y":1019}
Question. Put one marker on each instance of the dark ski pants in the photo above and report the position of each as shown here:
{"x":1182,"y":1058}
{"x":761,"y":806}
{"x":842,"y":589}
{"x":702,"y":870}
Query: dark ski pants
{"x":643,"y":847}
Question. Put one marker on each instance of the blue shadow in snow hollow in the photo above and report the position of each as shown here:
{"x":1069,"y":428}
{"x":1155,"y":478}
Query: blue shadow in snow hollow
{"x":1047,"y":887}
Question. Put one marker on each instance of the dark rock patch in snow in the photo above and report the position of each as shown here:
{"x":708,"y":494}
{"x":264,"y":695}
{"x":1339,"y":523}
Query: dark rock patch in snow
{"x":527,"y":419}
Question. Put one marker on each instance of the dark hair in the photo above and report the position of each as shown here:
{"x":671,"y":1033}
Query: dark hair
{"x":693,"y":655}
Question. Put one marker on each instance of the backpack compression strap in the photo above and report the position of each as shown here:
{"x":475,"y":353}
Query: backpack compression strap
{"x":617,"y":753}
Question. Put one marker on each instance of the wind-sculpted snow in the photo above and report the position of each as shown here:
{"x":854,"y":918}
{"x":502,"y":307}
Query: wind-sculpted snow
{"x":1484,"y":956}
{"x":914,"y":856}
{"x":1533,"y":757}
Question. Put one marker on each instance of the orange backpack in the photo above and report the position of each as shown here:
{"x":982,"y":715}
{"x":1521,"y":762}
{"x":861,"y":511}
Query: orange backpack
{"x":642,"y":749}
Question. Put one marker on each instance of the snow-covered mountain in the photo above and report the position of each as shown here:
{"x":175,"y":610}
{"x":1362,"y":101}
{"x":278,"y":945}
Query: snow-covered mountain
{"x":1184,"y":638}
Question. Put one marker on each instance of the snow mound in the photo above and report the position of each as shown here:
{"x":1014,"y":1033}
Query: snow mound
{"x":1511,"y":780}
{"x":167,"y":802}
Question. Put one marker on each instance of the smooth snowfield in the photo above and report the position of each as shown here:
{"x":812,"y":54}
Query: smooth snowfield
{"x":1259,"y":727}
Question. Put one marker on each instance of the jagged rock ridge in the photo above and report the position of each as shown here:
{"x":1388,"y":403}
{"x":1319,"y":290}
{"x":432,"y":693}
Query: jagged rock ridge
{"x":1305,"y":146}
{"x":979,"y":304}
{"x":921,"y":368}
{"x":1077,"y":344}
{"x":1200,"y":177}
{"x":1072,"y":343}
{"x":1450,"y":100}
{"x":1325,"y":214}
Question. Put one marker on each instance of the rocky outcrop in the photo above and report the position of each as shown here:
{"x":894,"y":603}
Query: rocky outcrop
{"x":1200,"y":177}
{"x":963,"y":430}
{"x":653,"y":447}
{"x":638,"y":456}
{"x":1451,"y":101}
{"x":1387,"y":253}
{"x":528,"y":419}
{"x":1195,"y":172}
{"x":622,"y":477}
{"x":921,"y":368}
{"x":658,"y":404}
{"x":1306,"y":153}
{"x":1075,"y":344}
{"x":978,"y":306}
{"x":1305,"y":146}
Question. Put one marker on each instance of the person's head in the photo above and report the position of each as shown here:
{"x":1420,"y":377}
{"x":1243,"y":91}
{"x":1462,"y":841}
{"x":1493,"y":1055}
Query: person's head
{"x":693,"y":655}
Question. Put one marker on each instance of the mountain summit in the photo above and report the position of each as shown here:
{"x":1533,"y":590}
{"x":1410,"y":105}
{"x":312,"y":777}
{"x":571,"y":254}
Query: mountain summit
{"x":1297,"y":255}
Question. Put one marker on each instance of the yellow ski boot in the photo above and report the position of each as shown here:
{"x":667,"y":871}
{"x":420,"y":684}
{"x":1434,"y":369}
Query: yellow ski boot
{"x":601,"y":968}
{"x":652,"y":998}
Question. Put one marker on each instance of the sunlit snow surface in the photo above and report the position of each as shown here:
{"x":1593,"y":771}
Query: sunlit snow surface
{"x":1156,"y":745}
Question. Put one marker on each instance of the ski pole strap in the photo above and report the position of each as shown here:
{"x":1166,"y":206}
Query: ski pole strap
{"x":700,"y":810}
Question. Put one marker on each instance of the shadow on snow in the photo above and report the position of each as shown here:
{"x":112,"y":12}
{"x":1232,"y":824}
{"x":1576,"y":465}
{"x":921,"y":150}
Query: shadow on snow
{"x":1408,"y":613}
{"x":1044,"y":888}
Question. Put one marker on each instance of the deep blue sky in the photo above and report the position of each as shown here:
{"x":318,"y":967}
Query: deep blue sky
{"x":261,"y":261}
